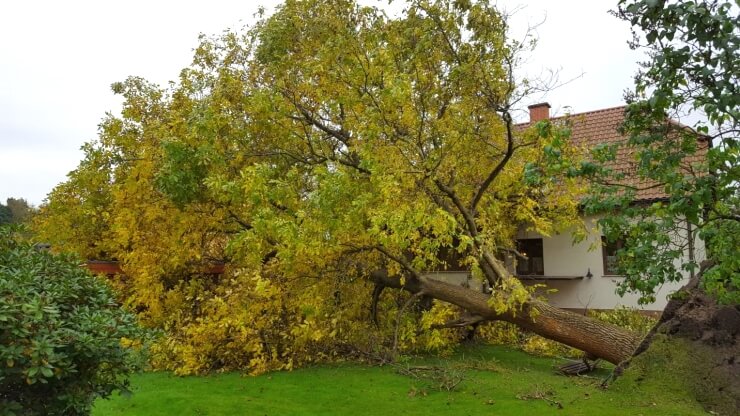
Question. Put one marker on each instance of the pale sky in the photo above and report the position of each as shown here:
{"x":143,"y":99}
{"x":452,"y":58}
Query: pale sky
{"x":59,"y":58}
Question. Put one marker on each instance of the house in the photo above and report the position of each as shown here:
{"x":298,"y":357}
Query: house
{"x":584,"y":274}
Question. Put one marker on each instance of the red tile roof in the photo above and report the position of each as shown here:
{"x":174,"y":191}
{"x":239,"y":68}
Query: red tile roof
{"x":592,"y":128}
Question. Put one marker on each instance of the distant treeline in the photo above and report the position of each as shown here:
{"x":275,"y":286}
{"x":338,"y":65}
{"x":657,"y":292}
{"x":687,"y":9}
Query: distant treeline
{"x":15,"y":210}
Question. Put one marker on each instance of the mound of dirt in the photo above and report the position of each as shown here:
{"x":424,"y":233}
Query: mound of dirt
{"x":695,"y":345}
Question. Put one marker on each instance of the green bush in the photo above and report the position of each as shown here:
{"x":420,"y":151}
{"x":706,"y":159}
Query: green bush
{"x":63,"y":339}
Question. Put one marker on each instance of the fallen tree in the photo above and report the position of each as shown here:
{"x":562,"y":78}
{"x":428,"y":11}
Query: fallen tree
{"x":328,"y":136}
{"x":575,"y":330}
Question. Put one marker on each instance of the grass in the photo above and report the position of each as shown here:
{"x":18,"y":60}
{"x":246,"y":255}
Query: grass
{"x":488,"y":380}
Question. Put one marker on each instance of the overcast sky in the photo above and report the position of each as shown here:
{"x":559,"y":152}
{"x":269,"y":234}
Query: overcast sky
{"x":58,"y":59}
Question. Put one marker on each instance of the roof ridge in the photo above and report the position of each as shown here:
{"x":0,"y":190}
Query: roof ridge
{"x":602,"y":110}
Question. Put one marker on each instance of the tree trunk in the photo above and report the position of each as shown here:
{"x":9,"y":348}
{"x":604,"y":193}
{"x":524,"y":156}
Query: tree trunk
{"x":598,"y":339}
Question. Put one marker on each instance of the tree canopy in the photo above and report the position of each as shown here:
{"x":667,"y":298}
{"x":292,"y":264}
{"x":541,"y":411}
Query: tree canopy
{"x":325,"y":154}
{"x":693,"y":69}
{"x":6,"y":215}
{"x":15,"y":210}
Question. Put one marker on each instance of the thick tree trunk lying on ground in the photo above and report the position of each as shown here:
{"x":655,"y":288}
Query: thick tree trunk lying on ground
{"x":598,"y":339}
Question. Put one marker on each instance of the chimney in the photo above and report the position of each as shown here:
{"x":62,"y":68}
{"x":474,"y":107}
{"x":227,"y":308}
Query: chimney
{"x":539,"y":112}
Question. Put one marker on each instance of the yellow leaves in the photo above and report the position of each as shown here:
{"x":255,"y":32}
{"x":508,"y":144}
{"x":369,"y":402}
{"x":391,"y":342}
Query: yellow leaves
{"x":293,"y":151}
{"x":262,"y":286}
{"x":537,"y":345}
{"x":306,"y":332}
{"x":500,"y":333}
{"x":261,"y":322}
{"x":509,"y":295}
{"x":130,"y":343}
{"x":436,"y":339}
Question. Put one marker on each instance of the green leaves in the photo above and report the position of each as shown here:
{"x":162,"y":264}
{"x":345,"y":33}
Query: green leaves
{"x":183,"y":171}
{"x":326,"y":141}
{"x":60,"y":332}
{"x":693,"y":66}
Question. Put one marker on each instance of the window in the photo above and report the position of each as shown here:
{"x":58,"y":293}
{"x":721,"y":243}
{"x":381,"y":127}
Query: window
{"x":535,"y":265}
{"x":452,"y":259}
{"x":609,"y":252}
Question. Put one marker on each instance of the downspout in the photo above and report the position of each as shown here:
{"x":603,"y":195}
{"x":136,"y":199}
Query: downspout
{"x":691,"y":246}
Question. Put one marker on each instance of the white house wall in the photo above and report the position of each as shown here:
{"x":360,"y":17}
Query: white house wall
{"x":564,"y":260}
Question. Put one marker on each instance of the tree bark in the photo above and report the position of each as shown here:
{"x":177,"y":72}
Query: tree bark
{"x":598,"y":339}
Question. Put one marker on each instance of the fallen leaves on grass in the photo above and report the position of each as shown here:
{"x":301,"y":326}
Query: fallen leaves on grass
{"x":541,"y":393}
{"x":440,"y":378}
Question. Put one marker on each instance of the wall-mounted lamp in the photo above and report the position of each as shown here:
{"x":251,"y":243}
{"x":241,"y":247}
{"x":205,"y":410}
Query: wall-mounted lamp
{"x":589,"y":274}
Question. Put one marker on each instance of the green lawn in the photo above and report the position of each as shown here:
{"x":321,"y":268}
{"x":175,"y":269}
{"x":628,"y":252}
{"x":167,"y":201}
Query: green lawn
{"x":495,"y":381}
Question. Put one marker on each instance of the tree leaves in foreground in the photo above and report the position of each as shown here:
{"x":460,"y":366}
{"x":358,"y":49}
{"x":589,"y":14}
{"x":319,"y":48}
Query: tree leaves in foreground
{"x":693,"y":67}
{"x":64,"y":341}
{"x":328,"y":153}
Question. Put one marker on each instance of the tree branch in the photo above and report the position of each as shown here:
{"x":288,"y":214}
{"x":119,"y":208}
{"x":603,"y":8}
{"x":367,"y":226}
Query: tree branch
{"x":499,"y":167}
{"x":413,"y":297}
{"x":377,"y":291}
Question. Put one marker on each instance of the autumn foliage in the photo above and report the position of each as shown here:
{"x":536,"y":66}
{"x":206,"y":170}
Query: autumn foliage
{"x":326,"y":142}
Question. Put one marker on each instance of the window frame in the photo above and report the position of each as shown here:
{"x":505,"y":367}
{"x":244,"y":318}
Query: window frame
{"x":605,"y":247}
{"x":530,"y":266}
